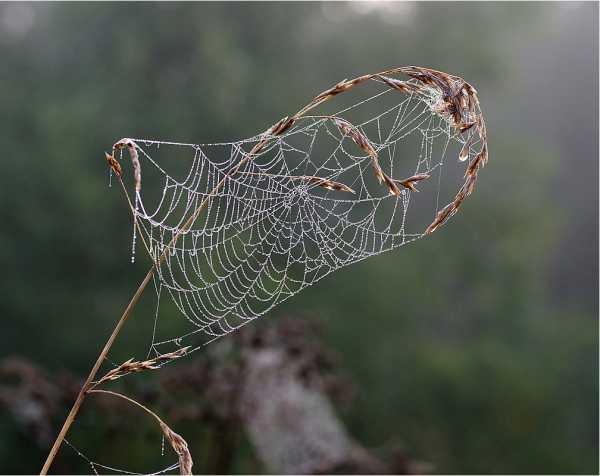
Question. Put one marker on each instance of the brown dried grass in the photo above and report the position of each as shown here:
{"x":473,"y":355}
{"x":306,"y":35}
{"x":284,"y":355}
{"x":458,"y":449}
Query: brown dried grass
{"x":459,"y":103}
{"x":130,"y":366}
{"x":176,"y":441}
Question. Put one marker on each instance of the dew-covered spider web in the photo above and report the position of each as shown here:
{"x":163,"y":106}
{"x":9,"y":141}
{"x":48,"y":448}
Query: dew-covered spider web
{"x":235,"y":228}
{"x":308,"y":203}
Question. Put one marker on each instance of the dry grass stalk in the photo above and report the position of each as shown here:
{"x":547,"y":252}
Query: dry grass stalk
{"x":177,"y":442}
{"x":459,"y":102}
{"x":130,"y":366}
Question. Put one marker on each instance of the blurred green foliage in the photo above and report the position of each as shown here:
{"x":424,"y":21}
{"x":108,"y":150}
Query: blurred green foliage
{"x":478,"y":347}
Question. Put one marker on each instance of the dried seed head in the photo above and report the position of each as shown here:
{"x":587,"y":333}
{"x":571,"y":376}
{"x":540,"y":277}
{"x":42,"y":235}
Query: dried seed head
{"x":383,"y":178}
{"x":326,"y":183}
{"x":379,"y":175}
{"x":343,"y":125}
{"x":478,"y":162}
{"x":131,"y":146}
{"x":180,"y":447}
{"x":466,"y":126}
{"x":391,"y":185}
{"x":470,"y":184}
{"x":358,"y":137}
{"x":337,"y":89}
{"x":399,"y":85}
{"x":114,"y":164}
{"x":409,"y":183}
{"x":282,"y":126}
{"x":363,"y":142}
{"x":258,"y":147}
{"x":441,"y":217}
{"x":318,"y":181}
{"x":131,"y":366}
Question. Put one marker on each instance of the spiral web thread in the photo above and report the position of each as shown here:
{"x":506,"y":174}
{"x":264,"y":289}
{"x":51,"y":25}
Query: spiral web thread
{"x":269,"y":232}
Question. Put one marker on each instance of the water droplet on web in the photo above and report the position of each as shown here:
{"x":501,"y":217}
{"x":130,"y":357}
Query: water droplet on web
{"x":162,"y":446}
{"x":268,"y":212}
{"x":133,"y":243}
{"x":134,"y":238}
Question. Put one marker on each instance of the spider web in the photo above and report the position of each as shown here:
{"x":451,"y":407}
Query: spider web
{"x":236,"y":228}
{"x":273,"y":228}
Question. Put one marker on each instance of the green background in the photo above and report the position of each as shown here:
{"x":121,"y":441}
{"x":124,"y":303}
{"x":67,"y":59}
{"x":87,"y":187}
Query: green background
{"x":477,"y":347}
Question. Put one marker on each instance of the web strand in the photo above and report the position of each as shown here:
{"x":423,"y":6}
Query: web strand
{"x":269,"y":232}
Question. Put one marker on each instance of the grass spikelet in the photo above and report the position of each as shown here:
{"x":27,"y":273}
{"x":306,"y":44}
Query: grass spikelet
{"x":440,"y":218}
{"x":409,"y":183}
{"x":458,"y":103}
{"x":398,"y":85}
{"x":130,"y":366}
{"x":131,"y":146}
{"x":363,"y":142}
{"x":326,"y":183}
{"x":180,"y":447}
{"x":176,"y":441}
{"x":358,"y":137}
{"x":318,"y":181}
{"x":388,"y":181}
{"x":114,"y":164}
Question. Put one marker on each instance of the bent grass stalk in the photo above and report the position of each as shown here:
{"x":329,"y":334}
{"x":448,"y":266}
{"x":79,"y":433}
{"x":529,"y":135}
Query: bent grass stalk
{"x":458,"y":101}
{"x":178,"y":444}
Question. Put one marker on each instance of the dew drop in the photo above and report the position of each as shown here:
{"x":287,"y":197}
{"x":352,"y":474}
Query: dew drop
{"x":134,"y":238}
{"x":133,"y":243}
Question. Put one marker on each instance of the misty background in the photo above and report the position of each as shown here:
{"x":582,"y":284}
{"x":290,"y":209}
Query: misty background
{"x":476,"y":349}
